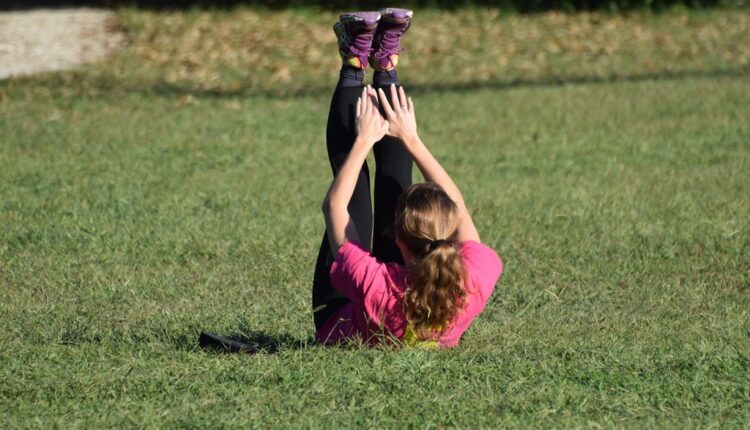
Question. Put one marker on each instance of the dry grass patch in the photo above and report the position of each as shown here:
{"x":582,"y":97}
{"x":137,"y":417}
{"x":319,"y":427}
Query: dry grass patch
{"x":292,"y":51}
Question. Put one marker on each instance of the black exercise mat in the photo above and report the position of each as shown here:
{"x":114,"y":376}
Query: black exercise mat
{"x":234,"y":344}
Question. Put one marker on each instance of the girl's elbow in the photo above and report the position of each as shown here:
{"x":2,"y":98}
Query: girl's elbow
{"x":329,"y":205}
{"x":332,"y":201}
{"x":325,"y":207}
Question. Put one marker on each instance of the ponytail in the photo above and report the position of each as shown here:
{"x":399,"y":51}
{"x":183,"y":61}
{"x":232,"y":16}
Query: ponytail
{"x":427,"y":223}
{"x":436,"y":294}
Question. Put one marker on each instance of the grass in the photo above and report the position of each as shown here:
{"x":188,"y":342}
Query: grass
{"x":133,"y":218}
{"x":243,"y":50}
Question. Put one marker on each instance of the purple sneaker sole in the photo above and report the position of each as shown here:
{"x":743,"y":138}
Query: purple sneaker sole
{"x":392,"y":13}
{"x":368,"y":19}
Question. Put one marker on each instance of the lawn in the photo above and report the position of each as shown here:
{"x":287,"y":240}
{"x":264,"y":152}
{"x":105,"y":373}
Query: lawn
{"x":139,"y":206}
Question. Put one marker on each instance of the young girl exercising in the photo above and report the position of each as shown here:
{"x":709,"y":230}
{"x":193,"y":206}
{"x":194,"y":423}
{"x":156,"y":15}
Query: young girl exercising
{"x":428,"y":275}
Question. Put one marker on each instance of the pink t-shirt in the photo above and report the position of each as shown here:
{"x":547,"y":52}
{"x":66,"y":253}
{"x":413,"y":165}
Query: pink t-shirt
{"x":376,"y":291}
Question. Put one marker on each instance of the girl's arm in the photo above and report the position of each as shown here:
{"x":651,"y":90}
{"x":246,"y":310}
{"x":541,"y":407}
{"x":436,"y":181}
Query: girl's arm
{"x":371,"y":127}
{"x":403,"y":125}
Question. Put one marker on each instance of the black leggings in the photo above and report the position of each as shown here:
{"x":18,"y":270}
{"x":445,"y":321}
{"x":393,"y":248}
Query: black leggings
{"x":392,"y":176}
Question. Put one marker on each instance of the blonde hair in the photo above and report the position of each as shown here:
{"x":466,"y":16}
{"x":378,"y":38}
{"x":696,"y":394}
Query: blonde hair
{"x":426,"y":222}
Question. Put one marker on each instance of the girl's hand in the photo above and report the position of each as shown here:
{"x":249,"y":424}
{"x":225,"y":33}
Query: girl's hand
{"x":401,"y":119}
{"x":371,"y":126}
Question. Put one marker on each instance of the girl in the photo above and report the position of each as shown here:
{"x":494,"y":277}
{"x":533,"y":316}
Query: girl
{"x":428,"y":275}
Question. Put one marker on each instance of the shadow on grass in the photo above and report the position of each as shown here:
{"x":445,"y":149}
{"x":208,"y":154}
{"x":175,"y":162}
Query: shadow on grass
{"x":104,"y":84}
{"x":243,"y":341}
{"x":250,"y":343}
{"x":170,"y":90}
{"x":65,"y":84}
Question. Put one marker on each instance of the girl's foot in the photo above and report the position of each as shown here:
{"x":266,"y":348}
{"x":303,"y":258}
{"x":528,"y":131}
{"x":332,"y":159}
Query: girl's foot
{"x":355,"y":32}
{"x":387,"y":43}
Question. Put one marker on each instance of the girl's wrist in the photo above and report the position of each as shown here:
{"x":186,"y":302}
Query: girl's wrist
{"x":412,"y":141}
{"x":363,"y":141}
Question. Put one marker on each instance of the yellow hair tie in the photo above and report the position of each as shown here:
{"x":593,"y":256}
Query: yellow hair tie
{"x":411,"y":340}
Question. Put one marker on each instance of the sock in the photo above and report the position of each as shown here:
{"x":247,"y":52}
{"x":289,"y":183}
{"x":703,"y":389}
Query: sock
{"x":350,"y":77}
{"x":385,"y":78}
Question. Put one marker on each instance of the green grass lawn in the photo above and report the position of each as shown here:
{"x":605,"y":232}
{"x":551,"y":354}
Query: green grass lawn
{"x":131,"y":219}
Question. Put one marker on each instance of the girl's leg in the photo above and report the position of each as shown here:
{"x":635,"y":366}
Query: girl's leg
{"x":394,"y":164}
{"x":340,"y":135}
{"x":392,"y":177}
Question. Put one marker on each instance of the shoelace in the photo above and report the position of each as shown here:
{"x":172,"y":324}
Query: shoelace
{"x":351,"y":43}
{"x":389,"y":42}
{"x":363,"y":39}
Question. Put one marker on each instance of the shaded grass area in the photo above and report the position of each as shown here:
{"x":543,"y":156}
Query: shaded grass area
{"x":134,"y":217}
{"x":131,"y":223}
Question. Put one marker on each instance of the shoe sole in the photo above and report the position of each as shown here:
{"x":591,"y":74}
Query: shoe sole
{"x":392,"y":13}
{"x":369,"y":19}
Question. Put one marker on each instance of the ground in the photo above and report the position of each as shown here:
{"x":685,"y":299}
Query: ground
{"x":42,"y":40}
{"x":139,"y":207}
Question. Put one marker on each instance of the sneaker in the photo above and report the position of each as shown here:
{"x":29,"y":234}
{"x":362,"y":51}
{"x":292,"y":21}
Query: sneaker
{"x":355,"y":32}
{"x":387,"y":44}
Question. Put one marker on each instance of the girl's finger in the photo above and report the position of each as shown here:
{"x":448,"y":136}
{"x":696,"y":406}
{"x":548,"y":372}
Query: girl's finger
{"x":411,"y":105}
{"x":359,"y":107}
{"x":364,"y":101}
{"x":394,"y":98}
{"x":384,"y":102}
{"x":369,"y":99}
{"x":373,"y":97}
{"x":402,"y":97}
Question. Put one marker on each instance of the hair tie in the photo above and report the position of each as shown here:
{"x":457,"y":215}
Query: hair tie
{"x":435,"y":243}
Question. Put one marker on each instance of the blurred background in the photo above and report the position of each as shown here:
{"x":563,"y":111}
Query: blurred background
{"x":287,"y":47}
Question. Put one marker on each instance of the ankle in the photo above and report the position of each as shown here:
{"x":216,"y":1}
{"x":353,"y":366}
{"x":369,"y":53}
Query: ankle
{"x":384,"y":78}
{"x":350,"y":76}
